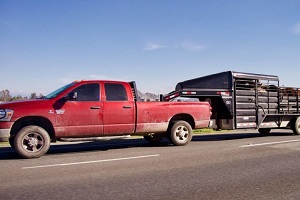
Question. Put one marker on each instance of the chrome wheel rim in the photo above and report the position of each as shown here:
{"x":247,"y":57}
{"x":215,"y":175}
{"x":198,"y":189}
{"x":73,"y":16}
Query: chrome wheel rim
{"x":33,"y":142}
{"x":182,"y":133}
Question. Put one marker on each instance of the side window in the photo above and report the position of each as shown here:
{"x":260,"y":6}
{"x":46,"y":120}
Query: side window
{"x":88,"y":92}
{"x":115,"y":92}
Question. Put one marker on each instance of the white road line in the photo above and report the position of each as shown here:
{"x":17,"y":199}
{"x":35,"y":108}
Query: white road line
{"x":269,"y":143}
{"x":93,"y":161}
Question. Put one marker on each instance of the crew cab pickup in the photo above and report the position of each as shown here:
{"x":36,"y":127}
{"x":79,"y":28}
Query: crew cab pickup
{"x":96,"y":108}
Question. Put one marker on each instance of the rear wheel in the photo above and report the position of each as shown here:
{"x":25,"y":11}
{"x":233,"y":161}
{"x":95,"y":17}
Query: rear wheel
{"x":264,"y":131}
{"x":153,"y":138}
{"x":296,"y":126}
{"x":181,"y":133}
{"x":32,"y":142}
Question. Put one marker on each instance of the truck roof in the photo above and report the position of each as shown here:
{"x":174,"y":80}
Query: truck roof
{"x":89,"y":81}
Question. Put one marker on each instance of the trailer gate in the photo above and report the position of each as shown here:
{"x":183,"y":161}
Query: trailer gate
{"x":255,"y":99}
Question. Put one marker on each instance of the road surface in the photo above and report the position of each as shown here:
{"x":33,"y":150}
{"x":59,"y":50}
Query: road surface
{"x":240,"y":165}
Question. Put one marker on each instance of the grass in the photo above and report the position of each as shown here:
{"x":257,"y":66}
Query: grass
{"x":4,"y":144}
{"x":208,"y":131}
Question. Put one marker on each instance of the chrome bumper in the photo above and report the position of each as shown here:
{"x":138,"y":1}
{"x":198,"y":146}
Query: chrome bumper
{"x":4,"y":135}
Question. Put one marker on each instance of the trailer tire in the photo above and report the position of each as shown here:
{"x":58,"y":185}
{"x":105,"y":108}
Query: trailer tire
{"x":153,"y":138}
{"x":264,"y":131}
{"x":181,"y":133}
{"x":296,"y":126}
{"x":32,"y":142}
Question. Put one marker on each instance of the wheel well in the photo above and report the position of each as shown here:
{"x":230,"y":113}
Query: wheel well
{"x":33,"y":120}
{"x":185,"y":117}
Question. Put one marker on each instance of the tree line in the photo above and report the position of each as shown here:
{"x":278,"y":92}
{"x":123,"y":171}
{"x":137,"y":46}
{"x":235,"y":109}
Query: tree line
{"x":5,"y":96}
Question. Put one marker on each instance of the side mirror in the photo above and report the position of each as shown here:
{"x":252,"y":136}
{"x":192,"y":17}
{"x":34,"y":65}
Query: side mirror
{"x":71,"y":96}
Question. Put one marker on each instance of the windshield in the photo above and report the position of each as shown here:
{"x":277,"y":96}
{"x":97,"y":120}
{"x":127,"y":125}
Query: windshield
{"x":58,"y":91}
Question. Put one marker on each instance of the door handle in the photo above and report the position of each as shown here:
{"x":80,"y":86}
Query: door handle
{"x":126,"y":106}
{"x":95,"y":107}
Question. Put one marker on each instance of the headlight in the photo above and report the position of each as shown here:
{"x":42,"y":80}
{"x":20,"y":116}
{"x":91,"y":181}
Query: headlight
{"x":6,"y":115}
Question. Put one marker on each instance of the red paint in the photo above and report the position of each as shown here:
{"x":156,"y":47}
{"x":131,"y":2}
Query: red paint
{"x":72,"y":118}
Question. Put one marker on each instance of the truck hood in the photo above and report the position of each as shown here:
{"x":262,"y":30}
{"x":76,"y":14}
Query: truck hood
{"x":34,"y":107}
{"x":24,"y":104}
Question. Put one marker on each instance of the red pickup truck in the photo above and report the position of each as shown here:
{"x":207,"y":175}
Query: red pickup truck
{"x":96,"y":108}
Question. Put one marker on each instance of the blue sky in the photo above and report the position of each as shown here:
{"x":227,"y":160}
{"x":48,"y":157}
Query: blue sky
{"x":157,"y":43}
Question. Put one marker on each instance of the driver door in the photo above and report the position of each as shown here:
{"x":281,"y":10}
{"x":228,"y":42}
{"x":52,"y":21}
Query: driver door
{"x":82,"y":116}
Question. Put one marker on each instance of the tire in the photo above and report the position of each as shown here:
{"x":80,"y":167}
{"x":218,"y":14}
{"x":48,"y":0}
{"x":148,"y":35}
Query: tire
{"x":32,"y":142}
{"x":11,"y":141}
{"x":296,"y":126}
{"x":181,"y":133}
{"x":154,"y":138}
{"x":264,"y":131}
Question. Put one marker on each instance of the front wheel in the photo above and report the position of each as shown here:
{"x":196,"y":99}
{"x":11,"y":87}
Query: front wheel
{"x":11,"y":141}
{"x":32,"y":142}
{"x":181,"y":133}
{"x":296,"y":126}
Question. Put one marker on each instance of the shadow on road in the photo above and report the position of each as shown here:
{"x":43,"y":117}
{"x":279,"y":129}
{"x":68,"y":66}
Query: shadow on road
{"x":236,"y":136}
{"x":7,"y":153}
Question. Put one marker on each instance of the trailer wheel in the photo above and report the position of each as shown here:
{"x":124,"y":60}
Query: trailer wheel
{"x":32,"y":142}
{"x":181,"y":133}
{"x":296,"y":126}
{"x":153,"y":138}
{"x":264,"y":131}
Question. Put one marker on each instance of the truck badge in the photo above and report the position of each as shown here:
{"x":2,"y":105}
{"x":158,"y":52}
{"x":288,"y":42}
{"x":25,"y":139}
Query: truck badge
{"x":60,"y":112}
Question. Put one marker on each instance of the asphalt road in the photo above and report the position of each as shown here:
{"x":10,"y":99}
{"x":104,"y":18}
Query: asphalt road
{"x":242,"y":165}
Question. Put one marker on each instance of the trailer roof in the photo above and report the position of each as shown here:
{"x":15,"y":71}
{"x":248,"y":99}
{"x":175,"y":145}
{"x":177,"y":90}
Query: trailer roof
{"x":222,"y":80}
{"x":254,"y":76}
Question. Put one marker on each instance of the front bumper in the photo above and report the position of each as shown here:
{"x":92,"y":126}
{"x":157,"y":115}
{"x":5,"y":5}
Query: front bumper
{"x":4,"y":135}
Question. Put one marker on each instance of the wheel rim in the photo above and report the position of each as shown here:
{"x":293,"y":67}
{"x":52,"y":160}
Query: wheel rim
{"x":33,"y":142}
{"x":182,"y":133}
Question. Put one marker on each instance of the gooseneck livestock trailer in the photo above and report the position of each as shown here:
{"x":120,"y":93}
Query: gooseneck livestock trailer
{"x":244,"y":100}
